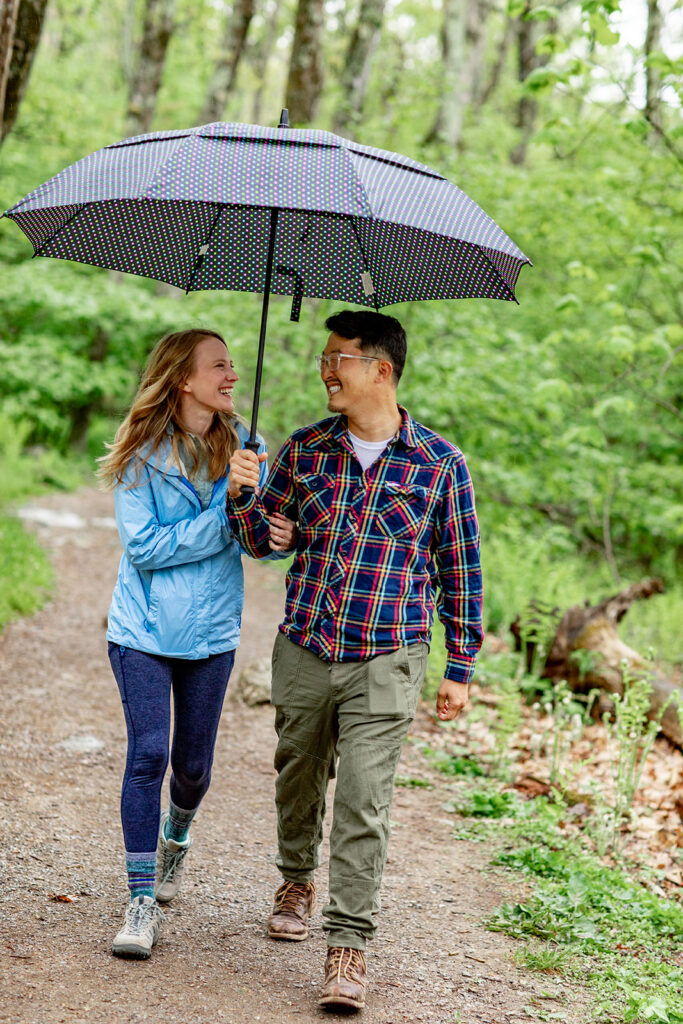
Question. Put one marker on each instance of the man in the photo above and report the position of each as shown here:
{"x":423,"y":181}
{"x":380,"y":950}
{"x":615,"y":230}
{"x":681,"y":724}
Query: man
{"x":386,"y":515}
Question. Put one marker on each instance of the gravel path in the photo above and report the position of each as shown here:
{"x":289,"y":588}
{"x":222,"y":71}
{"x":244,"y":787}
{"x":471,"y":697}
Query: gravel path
{"x":62,"y":748}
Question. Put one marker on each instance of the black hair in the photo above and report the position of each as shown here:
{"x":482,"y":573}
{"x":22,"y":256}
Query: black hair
{"x":374,"y":331}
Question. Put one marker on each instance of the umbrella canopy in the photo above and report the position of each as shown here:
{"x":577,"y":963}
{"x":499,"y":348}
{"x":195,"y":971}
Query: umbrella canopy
{"x":192,"y":208}
{"x":289,"y":211}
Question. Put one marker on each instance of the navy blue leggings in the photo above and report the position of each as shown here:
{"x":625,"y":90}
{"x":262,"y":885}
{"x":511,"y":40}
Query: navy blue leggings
{"x":145,"y":682}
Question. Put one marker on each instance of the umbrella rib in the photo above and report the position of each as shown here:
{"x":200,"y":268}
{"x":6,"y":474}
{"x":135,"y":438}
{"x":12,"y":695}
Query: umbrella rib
{"x":39,"y":250}
{"x":203,"y":249}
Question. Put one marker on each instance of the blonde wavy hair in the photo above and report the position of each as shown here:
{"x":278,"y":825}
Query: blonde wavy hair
{"x":156,"y":408}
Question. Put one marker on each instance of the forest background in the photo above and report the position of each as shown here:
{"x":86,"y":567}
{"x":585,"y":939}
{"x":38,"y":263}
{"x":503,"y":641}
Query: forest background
{"x":562,"y":121}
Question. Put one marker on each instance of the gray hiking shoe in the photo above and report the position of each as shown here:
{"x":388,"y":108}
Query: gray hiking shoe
{"x":140,"y":931}
{"x":170,"y":864}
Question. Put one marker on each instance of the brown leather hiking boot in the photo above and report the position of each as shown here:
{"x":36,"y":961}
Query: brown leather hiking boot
{"x":345,"y":978}
{"x":293,"y":905}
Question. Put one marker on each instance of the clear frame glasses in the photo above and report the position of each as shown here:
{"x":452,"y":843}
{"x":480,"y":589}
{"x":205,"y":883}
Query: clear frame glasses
{"x":333,"y":360}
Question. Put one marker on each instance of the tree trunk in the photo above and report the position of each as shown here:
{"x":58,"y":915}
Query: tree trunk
{"x":528,"y":33}
{"x":354,"y":79}
{"x":260,"y":55}
{"x":305,"y":79}
{"x":585,"y":628}
{"x":475,"y":41}
{"x":81,"y":414}
{"x":499,"y":63}
{"x":447,"y":127}
{"x":8,"y":24}
{"x":15,"y":68}
{"x":653,"y":74}
{"x":222,"y":81}
{"x":158,"y":26}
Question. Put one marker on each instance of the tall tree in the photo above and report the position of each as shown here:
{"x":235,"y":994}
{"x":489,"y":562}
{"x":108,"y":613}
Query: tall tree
{"x":462,"y":45}
{"x":222,"y":81}
{"x":447,"y":126}
{"x":21,"y":25}
{"x":305,"y":78}
{"x":157,"y":29}
{"x":653,"y":76}
{"x":475,"y":42}
{"x":8,"y":23}
{"x":528,"y":33}
{"x":357,"y":65}
{"x":260,"y":53}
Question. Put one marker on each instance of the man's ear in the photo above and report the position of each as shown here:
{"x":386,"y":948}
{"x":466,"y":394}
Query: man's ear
{"x":384,"y":370}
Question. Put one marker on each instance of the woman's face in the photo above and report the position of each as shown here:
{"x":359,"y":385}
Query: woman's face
{"x":209,"y":387}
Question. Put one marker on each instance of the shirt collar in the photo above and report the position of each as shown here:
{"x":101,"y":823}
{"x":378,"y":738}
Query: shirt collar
{"x":407,"y":432}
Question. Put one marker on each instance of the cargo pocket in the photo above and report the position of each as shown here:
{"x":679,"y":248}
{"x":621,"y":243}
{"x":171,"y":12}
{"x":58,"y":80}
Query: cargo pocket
{"x":395,"y":681}
{"x":285,"y":669}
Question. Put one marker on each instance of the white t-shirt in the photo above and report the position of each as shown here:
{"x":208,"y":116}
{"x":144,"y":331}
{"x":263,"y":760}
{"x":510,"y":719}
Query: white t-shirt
{"x":368,"y":452}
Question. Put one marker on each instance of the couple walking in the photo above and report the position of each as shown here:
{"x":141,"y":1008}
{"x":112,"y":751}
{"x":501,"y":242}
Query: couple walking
{"x":381,"y":513}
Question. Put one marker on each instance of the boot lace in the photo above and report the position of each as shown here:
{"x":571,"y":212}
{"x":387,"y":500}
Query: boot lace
{"x":141,"y":915}
{"x":171,"y":863}
{"x":289,"y":896}
{"x":346,"y":963}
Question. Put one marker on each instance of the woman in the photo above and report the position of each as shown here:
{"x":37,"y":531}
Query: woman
{"x":174,"y":620}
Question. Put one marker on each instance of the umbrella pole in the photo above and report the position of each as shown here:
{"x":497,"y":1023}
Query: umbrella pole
{"x":252,"y":443}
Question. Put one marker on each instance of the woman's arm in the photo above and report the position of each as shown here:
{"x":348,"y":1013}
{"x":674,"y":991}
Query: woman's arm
{"x":150,"y":544}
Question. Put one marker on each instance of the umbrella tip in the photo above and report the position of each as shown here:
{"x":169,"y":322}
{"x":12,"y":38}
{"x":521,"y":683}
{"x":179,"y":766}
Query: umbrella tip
{"x":284,"y":118}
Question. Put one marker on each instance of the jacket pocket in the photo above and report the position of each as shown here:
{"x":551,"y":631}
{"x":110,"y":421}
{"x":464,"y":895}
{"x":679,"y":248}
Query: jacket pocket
{"x":153,"y":604}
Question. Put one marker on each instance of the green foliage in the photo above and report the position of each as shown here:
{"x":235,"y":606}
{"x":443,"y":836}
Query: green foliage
{"x":547,"y":958}
{"x":408,"y":782}
{"x":631,"y":738}
{"x":604,"y":926}
{"x":26,"y":575}
{"x":487,"y":802}
{"x":566,"y":406}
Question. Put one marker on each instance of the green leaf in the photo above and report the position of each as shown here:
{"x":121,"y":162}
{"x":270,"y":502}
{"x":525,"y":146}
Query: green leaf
{"x":569,"y":301}
{"x":542,"y":13}
{"x":600,"y":28}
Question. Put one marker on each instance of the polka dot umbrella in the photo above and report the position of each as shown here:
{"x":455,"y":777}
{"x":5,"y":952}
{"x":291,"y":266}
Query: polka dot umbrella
{"x":282,"y":210}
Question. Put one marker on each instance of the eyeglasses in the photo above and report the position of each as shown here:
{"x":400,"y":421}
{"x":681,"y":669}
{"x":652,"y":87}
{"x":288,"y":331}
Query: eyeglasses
{"x":333,"y":361}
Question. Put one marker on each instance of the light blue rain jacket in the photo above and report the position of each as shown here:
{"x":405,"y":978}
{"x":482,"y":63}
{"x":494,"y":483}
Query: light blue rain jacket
{"x":180,"y":587}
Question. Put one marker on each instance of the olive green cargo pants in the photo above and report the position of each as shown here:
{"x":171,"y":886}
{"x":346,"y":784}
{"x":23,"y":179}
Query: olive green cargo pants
{"x":348,"y":719}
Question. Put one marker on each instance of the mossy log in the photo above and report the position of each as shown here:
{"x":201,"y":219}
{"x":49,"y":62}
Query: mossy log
{"x":594,"y":628}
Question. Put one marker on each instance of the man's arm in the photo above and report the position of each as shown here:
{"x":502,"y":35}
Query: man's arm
{"x":249,"y":514}
{"x":456,"y":557}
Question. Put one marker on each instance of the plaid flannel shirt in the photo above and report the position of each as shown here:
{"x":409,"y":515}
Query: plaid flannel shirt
{"x":374,"y":547}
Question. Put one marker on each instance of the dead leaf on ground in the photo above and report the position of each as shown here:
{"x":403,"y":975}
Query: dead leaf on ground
{"x":530,"y":786}
{"x":59,"y":897}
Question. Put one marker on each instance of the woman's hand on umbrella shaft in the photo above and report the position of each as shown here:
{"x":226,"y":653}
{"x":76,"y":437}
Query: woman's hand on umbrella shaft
{"x":244,"y":471}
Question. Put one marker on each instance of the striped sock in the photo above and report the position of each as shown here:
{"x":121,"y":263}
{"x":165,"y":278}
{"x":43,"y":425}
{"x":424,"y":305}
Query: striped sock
{"x":178,"y":823}
{"x":141,"y":868}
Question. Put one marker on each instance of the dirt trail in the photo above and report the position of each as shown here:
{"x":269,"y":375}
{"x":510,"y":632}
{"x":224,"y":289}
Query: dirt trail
{"x":62,"y":748}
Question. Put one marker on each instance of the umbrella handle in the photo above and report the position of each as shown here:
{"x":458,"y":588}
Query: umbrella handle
{"x":251,"y":446}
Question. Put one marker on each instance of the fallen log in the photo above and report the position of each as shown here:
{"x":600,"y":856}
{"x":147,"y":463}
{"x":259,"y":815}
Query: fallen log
{"x":594,"y":629}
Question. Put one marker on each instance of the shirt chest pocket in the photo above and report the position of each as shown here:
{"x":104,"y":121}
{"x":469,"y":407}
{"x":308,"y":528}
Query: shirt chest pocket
{"x":402,"y":512}
{"x":314,"y":493}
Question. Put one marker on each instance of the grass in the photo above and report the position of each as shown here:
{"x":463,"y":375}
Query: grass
{"x":591,"y":922}
{"x":26,"y":576}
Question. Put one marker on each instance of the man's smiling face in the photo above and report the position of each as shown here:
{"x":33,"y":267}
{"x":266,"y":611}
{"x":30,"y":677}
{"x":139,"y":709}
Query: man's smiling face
{"x":349,"y":387}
